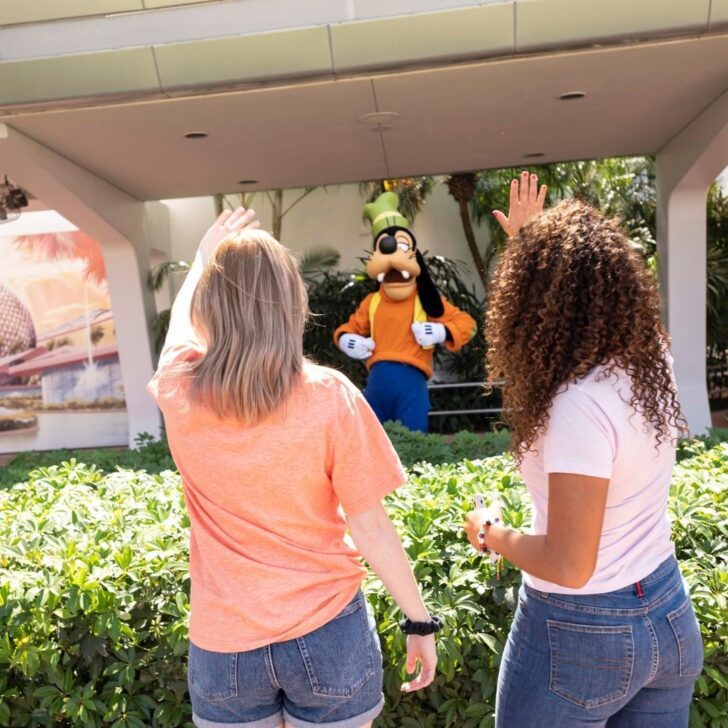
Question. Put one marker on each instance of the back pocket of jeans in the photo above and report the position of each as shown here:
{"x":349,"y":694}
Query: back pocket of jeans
{"x":212,"y":675}
{"x":339,"y":656}
{"x":689,"y":644}
{"x":591,"y":665}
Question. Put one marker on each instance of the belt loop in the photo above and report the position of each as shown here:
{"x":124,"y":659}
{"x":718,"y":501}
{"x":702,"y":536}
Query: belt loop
{"x":638,"y":589}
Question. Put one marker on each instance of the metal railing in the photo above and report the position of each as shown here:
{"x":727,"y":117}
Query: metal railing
{"x":476,"y":411}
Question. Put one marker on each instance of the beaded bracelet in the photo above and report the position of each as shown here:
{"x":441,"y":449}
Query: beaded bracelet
{"x":481,"y":537}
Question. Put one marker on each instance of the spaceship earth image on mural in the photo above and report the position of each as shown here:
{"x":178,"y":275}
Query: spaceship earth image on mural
{"x":17,"y":332}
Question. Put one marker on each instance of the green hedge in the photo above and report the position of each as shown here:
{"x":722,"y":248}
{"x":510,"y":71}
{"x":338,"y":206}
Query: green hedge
{"x":153,"y":455}
{"x":93,"y":591}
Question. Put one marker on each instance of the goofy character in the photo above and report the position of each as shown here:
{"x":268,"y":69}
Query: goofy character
{"x":396,"y":328}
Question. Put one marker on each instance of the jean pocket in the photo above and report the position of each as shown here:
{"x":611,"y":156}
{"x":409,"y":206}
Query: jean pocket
{"x":591,"y":665}
{"x":339,"y":656}
{"x":212,"y":675}
{"x":689,"y":644}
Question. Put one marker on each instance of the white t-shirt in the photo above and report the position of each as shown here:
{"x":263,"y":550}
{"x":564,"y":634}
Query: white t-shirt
{"x":593,"y":430}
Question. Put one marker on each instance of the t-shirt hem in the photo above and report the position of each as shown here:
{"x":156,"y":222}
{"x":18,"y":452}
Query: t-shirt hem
{"x":631,"y":578}
{"x":226,"y":646}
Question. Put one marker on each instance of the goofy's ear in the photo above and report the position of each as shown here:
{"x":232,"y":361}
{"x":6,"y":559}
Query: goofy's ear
{"x":427,"y":291}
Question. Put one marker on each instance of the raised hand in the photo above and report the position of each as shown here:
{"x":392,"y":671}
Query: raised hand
{"x":228,"y":223}
{"x":527,"y":201}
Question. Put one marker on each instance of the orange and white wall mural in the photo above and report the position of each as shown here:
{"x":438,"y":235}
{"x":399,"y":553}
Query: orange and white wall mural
{"x":60,"y":379}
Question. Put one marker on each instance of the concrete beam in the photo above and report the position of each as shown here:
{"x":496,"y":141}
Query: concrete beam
{"x":686,"y":167}
{"x":120,"y":224}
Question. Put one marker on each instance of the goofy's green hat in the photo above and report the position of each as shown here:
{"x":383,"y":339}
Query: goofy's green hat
{"x":383,"y":213}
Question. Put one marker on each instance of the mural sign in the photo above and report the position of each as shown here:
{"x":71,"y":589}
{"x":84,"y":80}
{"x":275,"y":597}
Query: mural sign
{"x":60,"y":379}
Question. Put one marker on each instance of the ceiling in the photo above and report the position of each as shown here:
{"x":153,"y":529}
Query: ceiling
{"x":455,"y":117}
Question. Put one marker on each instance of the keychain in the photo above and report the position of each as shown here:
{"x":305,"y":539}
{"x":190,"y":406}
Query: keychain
{"x":493,"y":515}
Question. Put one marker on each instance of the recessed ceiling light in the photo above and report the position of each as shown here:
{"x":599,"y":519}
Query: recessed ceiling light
{"x":572,"y":95}
{"x":533,"y":155}
{"x":247,"y":181}
{"x":379,"y":118}
{"x":195,"y":135}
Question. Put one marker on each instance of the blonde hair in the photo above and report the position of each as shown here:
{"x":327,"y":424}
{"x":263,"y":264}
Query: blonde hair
{"x":250,"y":307}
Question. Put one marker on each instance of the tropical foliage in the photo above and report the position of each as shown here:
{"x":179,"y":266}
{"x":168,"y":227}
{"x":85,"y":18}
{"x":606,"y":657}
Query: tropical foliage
{"x":94,"y":587}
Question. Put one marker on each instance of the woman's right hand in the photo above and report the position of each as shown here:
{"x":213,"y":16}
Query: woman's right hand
{"x":228,"y":223}
{"x":422,"y":651}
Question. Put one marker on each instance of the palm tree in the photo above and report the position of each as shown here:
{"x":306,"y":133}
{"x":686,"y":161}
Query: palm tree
{"x":65,"y":246}
{"x":462,"y":188}
{"x":412,"y":192}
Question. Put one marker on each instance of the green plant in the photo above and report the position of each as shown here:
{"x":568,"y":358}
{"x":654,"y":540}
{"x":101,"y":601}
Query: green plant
{"x":150,"y":455}
{"x":93,"y":588}
{"x":93,"y":600}
{"x":717,"y":269}
{"x":699,"y":509}
{"x":436,"y":449}
{"x":316,"y":262}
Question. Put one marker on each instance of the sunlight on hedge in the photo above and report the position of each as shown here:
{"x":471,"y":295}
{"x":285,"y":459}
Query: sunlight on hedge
{"x":93,"y":590}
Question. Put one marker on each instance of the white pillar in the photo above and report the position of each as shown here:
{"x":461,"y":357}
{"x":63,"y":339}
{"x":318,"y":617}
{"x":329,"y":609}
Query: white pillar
{"x":120,"y":224}
{"x":686,"y":167}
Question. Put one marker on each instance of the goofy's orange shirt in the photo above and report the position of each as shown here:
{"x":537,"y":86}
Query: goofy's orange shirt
{"x":393,"y":337}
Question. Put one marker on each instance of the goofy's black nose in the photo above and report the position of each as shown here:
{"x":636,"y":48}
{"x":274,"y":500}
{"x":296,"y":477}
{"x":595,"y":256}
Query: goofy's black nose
{"x":387,"y":245}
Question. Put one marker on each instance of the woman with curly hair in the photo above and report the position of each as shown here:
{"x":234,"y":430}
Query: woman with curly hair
{"x":604,"y":633}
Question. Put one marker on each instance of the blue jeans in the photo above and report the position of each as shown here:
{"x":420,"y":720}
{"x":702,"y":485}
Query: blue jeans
{"x":397,"y":391}
{"x":625,"y":659}
{"x":332,"y":675}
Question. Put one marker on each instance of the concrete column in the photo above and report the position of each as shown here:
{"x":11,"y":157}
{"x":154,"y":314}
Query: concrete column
{"x":121,"y":224}
{"x":686,"y":167}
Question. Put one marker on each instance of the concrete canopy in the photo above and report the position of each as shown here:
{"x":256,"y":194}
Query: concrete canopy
{"x":96,"y":100}
{"x":281,"y":88}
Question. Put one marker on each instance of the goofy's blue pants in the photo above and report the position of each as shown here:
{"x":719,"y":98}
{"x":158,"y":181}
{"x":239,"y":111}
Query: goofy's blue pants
{"x":397,"y":391}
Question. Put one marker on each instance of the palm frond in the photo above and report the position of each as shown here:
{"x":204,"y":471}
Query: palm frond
{"x":317,"y":261}
{"x":158,"y":275}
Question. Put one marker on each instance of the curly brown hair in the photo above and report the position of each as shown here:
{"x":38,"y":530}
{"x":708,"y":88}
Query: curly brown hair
{"x":570,"y":293}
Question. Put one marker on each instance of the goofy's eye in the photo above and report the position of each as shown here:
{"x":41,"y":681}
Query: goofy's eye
{"x":403,"y":246}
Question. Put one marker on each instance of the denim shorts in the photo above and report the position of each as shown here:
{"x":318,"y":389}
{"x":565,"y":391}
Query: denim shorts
{"x":331,"y":677}
{"x":624,"y":659}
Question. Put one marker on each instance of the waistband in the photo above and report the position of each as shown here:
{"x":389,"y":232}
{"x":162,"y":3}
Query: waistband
{"x":382,"y":365}
{"x":666,"y":568}
{"x":639,"y":598}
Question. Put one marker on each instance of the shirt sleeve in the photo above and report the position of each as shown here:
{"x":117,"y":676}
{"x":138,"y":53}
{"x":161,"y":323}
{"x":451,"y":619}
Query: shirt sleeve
{"x":364,"y":466}
{"x":171,"y":356}
{"x":579,"y":437}
{"x":461,"y":325}
{"x":358,"y":322}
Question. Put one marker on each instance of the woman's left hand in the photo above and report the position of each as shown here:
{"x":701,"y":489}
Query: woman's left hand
{"x":228,"y":223}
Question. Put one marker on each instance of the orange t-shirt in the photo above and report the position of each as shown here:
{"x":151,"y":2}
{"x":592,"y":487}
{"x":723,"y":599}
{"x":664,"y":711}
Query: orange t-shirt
{"x":270,"y":559}
{"x":393,"y":337}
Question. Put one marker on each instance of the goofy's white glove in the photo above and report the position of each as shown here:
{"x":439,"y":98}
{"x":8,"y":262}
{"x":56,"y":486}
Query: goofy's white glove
{"x":429,"y":334}
{"x":355,"y":346}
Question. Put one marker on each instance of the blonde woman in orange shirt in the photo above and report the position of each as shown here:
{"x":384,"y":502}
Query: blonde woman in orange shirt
{"x":283,"y":463}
